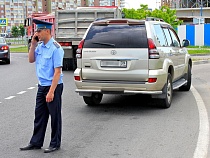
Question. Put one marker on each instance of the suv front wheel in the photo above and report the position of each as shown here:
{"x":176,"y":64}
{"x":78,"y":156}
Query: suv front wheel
{"x":187,"y":86}
{"x":167,"y":91}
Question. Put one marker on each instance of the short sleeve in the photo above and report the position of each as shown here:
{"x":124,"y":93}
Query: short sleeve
{"x":58,"y":55}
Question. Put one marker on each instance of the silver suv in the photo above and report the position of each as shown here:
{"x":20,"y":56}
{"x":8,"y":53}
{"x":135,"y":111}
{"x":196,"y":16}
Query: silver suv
{"x":127,"y":56}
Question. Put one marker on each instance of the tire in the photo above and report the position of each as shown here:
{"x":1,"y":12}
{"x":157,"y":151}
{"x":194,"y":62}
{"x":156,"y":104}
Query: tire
{"x":168,"y":93}
{"x":69,"y":64}
{"x":74,"y":64}
{"x":66,"y":64}
{"x":186,"y":87}
{"x":7,"y":61}
{"x":94,"y":99}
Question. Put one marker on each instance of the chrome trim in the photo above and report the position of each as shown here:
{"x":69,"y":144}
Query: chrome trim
{"x":116,"y":92}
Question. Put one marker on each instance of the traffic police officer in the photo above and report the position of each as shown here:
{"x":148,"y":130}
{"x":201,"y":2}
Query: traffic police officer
{"x":48,"y":57}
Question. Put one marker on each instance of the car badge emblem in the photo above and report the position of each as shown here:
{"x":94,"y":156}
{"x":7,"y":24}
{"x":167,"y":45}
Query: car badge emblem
{"x":113,"y":52}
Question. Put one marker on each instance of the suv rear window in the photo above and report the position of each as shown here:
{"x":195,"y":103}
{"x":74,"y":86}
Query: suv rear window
{"x":116,"y":36}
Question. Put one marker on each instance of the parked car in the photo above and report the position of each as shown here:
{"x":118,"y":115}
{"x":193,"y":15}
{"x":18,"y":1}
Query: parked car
{"x":4,"y":35}
{"x":4,"y":50}
{"x":127,"y":56}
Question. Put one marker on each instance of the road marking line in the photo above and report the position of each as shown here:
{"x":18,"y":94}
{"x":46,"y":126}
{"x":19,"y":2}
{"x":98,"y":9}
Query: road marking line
{"x":201,"y":150}
{"x":31,"y":87}
{"x":21,"y":92}
{"x":0,"y":102}
{"x":10,"y":97}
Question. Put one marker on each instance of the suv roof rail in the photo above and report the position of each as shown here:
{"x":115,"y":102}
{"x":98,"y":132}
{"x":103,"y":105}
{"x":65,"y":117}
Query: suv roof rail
{"x":154,"y":19}
{"x":97,"y":19}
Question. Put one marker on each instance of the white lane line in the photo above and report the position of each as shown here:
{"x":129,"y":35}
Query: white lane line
{"x":0,"y":102}
{"x":31,"y":87}
{"x":201,"y":150}
{"x":22,"y":92}
{"x":10,"y":97}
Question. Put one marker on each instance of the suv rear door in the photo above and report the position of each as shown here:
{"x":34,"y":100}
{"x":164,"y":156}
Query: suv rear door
{"x":115,"y":50}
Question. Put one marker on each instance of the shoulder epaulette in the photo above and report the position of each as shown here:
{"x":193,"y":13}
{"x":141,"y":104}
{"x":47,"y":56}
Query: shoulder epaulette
{"x":56,"y":44}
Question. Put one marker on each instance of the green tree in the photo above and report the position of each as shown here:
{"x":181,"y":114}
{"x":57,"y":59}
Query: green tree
{"x":15,"y":31}
{"x":140,"y":13}
{"x":21,"y":30}
{"x":143,"y":12}
{"x":167,"y":15}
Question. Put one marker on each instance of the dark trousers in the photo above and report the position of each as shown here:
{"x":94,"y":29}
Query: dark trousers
{"x":42,"y":112}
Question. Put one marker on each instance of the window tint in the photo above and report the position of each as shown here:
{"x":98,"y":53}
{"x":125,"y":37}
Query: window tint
{"x":116,"y":36}
{"x":168,"y":37}
{"x":175,"y":40}
{"x":160,"y":35}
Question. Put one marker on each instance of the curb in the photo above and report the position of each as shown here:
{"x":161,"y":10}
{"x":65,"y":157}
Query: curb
{"x":201,"y":62}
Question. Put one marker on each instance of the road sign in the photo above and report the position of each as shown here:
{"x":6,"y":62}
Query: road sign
{"x":3,"y":21}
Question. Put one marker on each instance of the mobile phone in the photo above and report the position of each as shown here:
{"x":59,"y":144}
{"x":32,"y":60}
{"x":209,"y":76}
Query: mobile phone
{"x":37,"y":39}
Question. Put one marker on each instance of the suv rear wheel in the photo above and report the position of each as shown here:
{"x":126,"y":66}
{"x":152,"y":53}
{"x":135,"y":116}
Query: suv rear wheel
{"x":94,"y":99}
{"x":168,"y":91}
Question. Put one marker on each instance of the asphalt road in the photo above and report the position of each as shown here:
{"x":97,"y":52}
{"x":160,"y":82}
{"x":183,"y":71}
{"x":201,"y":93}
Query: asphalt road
{"x":121,"y":127}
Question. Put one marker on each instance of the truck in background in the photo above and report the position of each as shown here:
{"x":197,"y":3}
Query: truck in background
{"x":69,"y":27}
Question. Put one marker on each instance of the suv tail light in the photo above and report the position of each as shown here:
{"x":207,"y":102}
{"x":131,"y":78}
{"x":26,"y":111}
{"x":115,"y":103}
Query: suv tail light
{"x":66,"y":44}
{"x":77,"y":78}
{"x":152,"y":80}
{"x":79,"y":50}
{"x":153,"y":52}
{"x":4,"y":48}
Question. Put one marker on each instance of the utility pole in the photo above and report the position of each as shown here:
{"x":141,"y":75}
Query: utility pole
{"x":87,"y":3}
{"x":36,"y":6}
{"x":201,"y":11}
{"x":25,"y":15}
{"x":49,"y":7}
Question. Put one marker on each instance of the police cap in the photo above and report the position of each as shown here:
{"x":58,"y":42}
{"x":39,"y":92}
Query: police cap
{"x":42,"y":24}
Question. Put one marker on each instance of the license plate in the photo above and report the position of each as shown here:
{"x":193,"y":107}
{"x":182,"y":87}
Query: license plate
{"x":114,"y":63}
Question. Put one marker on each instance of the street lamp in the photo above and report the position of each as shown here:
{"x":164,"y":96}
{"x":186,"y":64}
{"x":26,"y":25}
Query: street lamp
{"x":201,"y":11}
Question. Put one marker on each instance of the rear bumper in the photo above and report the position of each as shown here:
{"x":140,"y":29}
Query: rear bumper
{"x":87,"y":87}
{"x":4,"y":55}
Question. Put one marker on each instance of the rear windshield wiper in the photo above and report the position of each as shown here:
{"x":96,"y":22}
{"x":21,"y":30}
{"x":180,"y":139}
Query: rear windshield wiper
{"x":107,"y":44}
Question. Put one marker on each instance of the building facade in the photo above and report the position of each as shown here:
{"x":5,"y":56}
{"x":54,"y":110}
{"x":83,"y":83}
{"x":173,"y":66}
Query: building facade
{"x":15,"y":11}
{"x":190,"y":11}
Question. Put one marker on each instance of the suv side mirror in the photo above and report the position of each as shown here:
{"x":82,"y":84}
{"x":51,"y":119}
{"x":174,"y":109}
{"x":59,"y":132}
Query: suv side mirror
{"x":185,"y":43}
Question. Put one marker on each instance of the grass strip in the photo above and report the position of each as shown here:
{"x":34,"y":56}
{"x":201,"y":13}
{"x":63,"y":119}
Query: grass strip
{"x":199,"y":51}
{"x":19,"y":50}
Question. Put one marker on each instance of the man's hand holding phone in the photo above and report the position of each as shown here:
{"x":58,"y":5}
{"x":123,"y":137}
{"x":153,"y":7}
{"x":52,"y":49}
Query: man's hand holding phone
{"x":35,"y":39}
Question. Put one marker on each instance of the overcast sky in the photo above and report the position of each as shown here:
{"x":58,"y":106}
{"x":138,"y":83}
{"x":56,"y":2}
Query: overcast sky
{"x":136,"y":3}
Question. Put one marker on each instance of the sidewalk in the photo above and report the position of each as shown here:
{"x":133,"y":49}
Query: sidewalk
{"x":200,"y":59}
